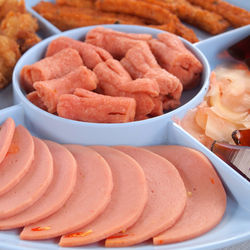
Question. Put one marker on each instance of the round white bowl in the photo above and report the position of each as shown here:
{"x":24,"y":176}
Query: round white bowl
{"x":145,"y":132}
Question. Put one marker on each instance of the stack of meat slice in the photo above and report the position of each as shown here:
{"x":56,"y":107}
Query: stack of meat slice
{"x":124,"y":195}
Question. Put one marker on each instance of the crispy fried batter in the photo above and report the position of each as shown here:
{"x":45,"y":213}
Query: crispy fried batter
{"x":235,"y":15}
{"x":14,"y":5}
{"x":22,"y":28}
{"x":77,"y":3}
{"x":147,"y":10}
{"x":205,"y":20}
{"x":9,"y":54}
{"x":66,"y":17}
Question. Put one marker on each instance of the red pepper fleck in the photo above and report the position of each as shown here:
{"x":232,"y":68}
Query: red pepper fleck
{"x":212,"y":180}
{"x":40,"y":228}
{"x":117,"y":236}
{"x":13,"y":148}
{"x":78,"y":234}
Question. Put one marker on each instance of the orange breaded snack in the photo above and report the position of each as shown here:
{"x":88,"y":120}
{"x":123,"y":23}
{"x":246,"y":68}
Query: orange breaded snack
{"x":92,"y":107}
{"x":114,"y":80}
{"x":49,"y":91}
{"x":36,"y":100}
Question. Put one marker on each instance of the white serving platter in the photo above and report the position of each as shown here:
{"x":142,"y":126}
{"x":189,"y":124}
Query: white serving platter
{"x":235,"y":225}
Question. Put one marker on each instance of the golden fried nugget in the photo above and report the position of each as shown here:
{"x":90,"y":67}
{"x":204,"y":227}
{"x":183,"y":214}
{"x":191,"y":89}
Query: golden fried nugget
{"x":11,"y":5}
{"x":203,"y":19}
{"x":235,"y":15}
{"x":22,"y":28}
{"x":77,"y":3}
{"x":68,"y":17}
{"x":150,"y":11}
{"x":9,"y":54}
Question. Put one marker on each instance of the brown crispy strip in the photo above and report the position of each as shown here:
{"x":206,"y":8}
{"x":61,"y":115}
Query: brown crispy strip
{"x":235,"y":15}
{"x":205,"y":20}
{"x":77,"y":3}
{"x":67,"y":17}
{"x":149,"y":11}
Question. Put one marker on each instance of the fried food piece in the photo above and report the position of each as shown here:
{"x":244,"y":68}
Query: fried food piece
{"x":68,"y":17}
{"x":11,"y":5}
{"x":77,"y":3}
{"x":235,"y":15}
{"x":22,"y":28}
{"x":9,"y":54}
{"x":150,"y":11}
{"x":203,"y":19}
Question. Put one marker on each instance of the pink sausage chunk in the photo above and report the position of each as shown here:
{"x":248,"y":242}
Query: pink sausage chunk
{"x":128,"y":199}
{"x":91,"y":107}
{"x":49,"y":68}
{"x":58,"y":192}
{"x":206,"y":202}
{"x":173,"y":56}
{"x":7,"y":130}
{"x":18,"y":160}
{"x":91,"y":55}
{"x":49,"y":91}
{"x":166,"y":199}
{"x":91,"y":195}
{"x":115,"y":42}
{"x":32,"y":186}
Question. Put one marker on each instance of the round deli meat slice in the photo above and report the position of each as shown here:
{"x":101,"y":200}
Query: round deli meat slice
{"x":7,"y":130}
{"x":166,"y":198}
{"x":32,"y":186}
{"x":206,"y":202}
{"x":18,"y":159}
{"x":58,"y":192}
{"x":90,"y":197}
{"x":128,"y":199}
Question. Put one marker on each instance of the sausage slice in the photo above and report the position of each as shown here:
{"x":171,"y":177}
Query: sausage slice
{"x":32,"y":186}
{"x":6,"y":134}
{"x":166,"y":198}
{"x":18,"y":159}
{"x":206,"y":201}
{"x":128,"y":199}
{"x":90,"y":197}
{"x":61,"y":187}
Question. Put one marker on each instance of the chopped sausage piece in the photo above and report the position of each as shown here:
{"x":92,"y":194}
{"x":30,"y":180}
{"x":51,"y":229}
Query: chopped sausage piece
{"x":32,"y":186}
{"x":49,"y":68}
{"x":18,"y":160}
{"x":50,"y":90}
{"x":92,"y":107}
{"x":206,"y":201}
{"x":36,"y":100}
{"x":91,"y":55}
{"x":90,"y":197}
{"x":58,"y":192}
{"x":166,"y":198}
{"x":7,"y":130}
{"x":127,"y":200}
{"x":173,"y":56}
{"x":114,"y":80}
{"x":115,"y":42}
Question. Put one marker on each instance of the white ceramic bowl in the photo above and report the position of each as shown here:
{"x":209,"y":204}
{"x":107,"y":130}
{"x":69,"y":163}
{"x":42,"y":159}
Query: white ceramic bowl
{"x":144,"y":132}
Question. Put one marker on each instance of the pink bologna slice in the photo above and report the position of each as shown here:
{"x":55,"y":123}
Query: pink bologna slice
{"x":206,"y":201}
{"x":166,"y":200}
{"x":6,"y":134}
{"x":60,"y":189}
{"x":128,"y":199}
{"x":18,"y":159}
{"x":90,"y":197}
{"x":32,"y":186}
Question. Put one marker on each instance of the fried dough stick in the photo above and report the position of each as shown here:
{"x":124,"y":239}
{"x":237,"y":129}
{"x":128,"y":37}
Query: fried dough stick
{"x":9,"y":54}
{"x":22,"y":28}
{"x":149,"y":11}
{"x":203,"y":19}
{"x":235,"y":15}
{"x":77,"y":3}
{"x":66,"y":17}
{"x":11,"y":5}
